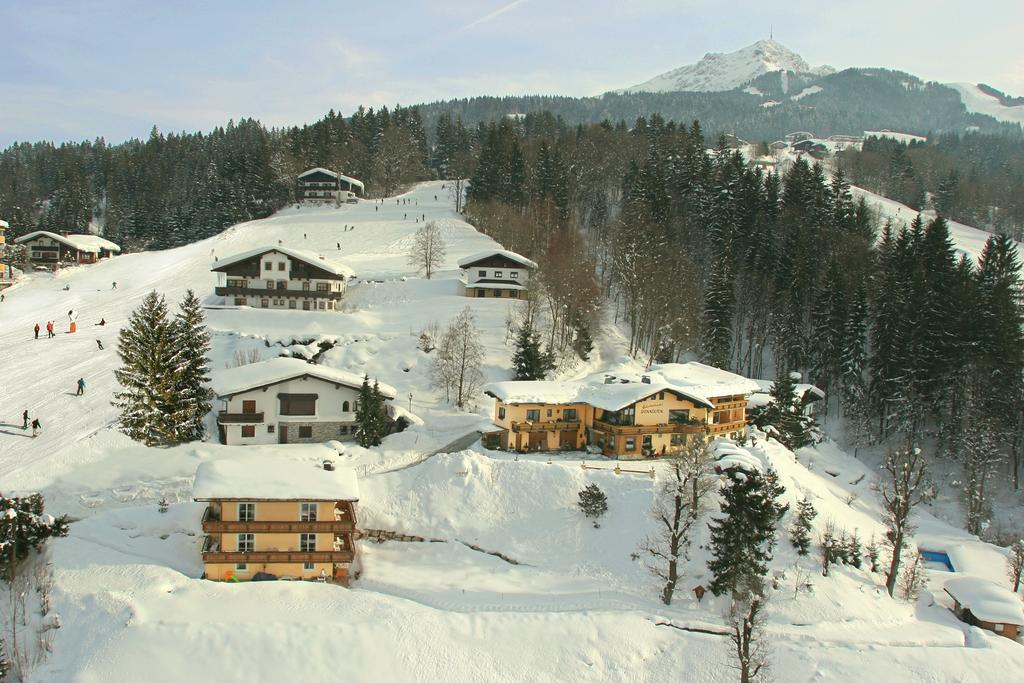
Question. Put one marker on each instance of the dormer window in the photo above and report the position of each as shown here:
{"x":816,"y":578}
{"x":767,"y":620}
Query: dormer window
{"x":481,"y":273}
{"x":514,"y":274}
{"x":497,"y":273}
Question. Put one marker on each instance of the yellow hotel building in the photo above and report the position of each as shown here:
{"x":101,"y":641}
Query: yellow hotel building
{"x":624,"y":416}
{"x":278,"y":519}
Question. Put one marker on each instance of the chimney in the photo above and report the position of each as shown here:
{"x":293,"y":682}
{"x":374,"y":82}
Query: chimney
{"x":328,"y":465}
{"x":646,"y":379}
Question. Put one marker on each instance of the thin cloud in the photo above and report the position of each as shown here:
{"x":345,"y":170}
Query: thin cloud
{"x":492,"y":15}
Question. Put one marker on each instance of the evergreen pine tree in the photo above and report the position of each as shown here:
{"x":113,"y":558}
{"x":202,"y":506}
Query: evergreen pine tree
{"x":25,"y":526}
{"x":190,"y":336}
{"x":149,"y":375}
{"x":743,"y":540}
{"x":529,"y":362}
{"x":716,"y":323}
{"x":854,"y":552}
{"x":800,"y":531}
{"x":593,"y":502}
{"x":785,"y":415}
{"x":367,"y":415}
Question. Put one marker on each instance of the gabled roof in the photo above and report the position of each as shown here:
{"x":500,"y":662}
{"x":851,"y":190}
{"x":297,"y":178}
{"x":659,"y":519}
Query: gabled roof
{"x":470,"y":260}
{"x":4,"y":224}
{"x":318,"y":170}
{"x":696,"y":382}
{"x":276,"y":370}
{"x":339,"y":176}
{"x":986,"y":600}
{"x":263,"y":478}
{"x":309,"y":257}
{"x":89,"y":243}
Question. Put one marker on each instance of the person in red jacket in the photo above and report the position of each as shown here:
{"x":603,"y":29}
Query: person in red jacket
{"x":37,"y":330}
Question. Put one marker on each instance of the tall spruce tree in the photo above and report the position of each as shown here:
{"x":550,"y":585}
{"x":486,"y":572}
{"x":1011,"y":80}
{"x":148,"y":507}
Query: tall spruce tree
{"x":529,"y":362}
{"x":785,"y":416}
{"x":716,"y":323}
{"x":149,"y":375}
{"x":190,"y":336}
{"x":743,"y":539}
{"x":24,"y":527}
{"x":371,"y":414}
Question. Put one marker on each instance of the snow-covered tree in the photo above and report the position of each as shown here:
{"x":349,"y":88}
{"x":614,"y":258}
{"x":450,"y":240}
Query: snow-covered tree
{"x":371,"y":415}
{"x":149,"y":375}
{"x":785,"y":416}
{"x":747,"y":636}
{"x":456,"y":367}
{"x":906,"y":487}
{"x":529,"y":361}
{"x":800,"y":530}
{"x":428,"y":249}
{"x":680,"y":501}
{"x":743,"y":539}
{"x":191,"y":339}
{"x":593,"y":502}
{"x":24,"y":527}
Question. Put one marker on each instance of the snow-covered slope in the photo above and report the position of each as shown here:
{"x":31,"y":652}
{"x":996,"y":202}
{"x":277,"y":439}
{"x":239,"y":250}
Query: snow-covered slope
{"x":980,"y":102}
{"x":726,"y":71}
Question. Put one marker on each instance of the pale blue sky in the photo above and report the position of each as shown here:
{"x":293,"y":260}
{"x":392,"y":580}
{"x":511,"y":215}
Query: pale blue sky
{"x":114,"y":68}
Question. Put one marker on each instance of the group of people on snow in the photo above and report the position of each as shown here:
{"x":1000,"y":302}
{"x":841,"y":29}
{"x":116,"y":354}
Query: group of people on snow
{"x":37,"y":426}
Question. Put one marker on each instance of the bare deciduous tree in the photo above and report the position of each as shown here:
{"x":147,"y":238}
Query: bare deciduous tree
{"x":907,"y":487}
{"x":428,"y":249}
{"x":1015,"y":564}
{"x":456,"y":366}
{"x":679,"y":504}
{"x":748,"y":646}
{"x":913,"y":580}
{"x":241,"y":358}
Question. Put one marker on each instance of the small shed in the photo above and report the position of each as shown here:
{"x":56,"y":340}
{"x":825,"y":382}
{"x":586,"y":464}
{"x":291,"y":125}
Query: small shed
{"x":987,"y":605}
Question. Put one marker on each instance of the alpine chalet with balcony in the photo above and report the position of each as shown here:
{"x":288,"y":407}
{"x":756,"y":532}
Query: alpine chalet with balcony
{"x":270,"y":518}
{"x":496,"y":273}
{"x":279,"y":277}
{"x":287,"y":400}
{"x":623,"y":416}
{"x":49,"y":250}
{"x":319,"y":185}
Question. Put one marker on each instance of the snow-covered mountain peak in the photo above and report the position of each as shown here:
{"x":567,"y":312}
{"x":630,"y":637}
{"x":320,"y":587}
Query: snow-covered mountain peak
{"x":726,"y":71}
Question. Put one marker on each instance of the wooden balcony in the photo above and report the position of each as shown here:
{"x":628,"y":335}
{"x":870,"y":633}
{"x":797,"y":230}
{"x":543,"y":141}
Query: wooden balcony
{"x":213,"y":525}
{"x":277,"y":293}
{"x":671,"y":428}
{"x":268,"y":556}
{"x":551,"y":426}
{"x":726,"y":427}
{"x":224,"y":417}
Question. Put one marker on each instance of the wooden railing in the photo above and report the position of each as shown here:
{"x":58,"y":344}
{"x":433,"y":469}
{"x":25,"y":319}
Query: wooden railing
{"x":550,"y":426}
{"x":224,"y":417}
{"x":267,"y":556}
{"x":671,"y":428}
{"x":259,"y":291}
{"x":216,"y":526}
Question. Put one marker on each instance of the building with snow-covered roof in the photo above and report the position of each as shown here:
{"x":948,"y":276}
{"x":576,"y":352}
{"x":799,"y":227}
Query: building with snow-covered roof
{"x":272,"y":518}
{"x":44,"y":249}
{"x":496,"y":273}
{"x":6,"y":272}
{"x":279,"y":277}
{"x":982,"y":603}
{"x":624,"y":415}
{"x":287,"y":400}
{"x":323,"y":185}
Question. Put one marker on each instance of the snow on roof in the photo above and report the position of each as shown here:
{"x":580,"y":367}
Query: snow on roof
{"x":89,"y":243}
{"x":492,"y":285}
{"x":4,"y":224}
{"x":318,"y":169}
{"x":695,"y":381}
{"x":276,"y":370}
{"x":986,"y":600}
{"x":263,"y":478}
{"x":470,"y":260}
{"x":347,"y":179}
{"x":352,"y":181}
{"x":310,"y":257}
{"x":765,"y":387}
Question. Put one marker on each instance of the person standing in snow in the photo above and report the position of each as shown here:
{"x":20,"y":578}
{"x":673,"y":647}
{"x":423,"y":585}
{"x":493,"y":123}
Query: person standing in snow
{"x":37,"y":330}
{"x":99,"y":344}
{"x":115,"y":286}
{"x":81,"y":386}
{"x":37,"y":427}
{"x":24,"y":419}
{"x":49,"y":329}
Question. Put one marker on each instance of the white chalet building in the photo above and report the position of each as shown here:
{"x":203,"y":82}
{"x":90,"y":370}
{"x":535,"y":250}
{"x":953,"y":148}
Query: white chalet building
{"x":323,"y":185}
{"x":278,"y":277}
{"x":287,"y":400}
{"x":496,"y":273}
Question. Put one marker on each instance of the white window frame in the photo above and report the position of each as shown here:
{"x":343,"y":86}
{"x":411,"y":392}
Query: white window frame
{"x":304,"y":512}
{"x":498,"y":275}
{"x":301,"y":549}
{"x":308,"y":566}
{"x":238,"y":543}
{"x":514,"y":274}
{"x":253,"y":519}
{"x":242,"y":567}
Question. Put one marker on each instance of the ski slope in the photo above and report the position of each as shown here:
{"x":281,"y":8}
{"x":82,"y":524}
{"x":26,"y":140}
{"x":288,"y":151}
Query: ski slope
{"x":979,"y":102}
{"x":577,"y":605}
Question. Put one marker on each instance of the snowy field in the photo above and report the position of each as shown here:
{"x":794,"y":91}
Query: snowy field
{"x":565,"y":601}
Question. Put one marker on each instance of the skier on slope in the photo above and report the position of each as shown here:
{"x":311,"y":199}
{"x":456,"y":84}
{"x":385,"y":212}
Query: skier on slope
{"x":81,"y":386}
{"x":24,"y":419}
{"x":36,"y":328}
{"x":37,"y":427}
{"x":99,"y":344}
